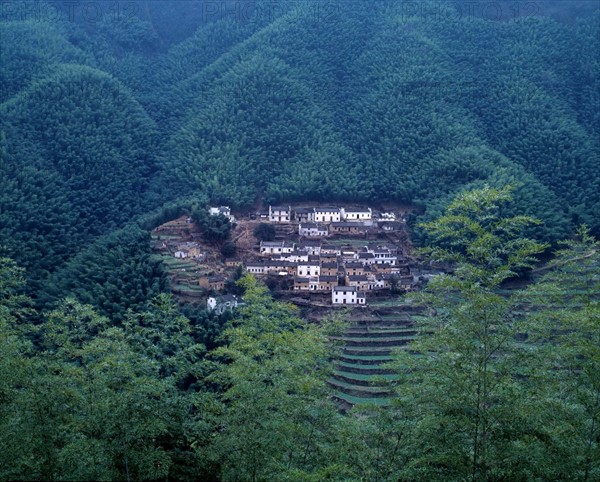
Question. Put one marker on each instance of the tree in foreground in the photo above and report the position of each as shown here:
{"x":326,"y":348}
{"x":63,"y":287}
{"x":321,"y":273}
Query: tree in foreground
{"x":564,"y":316}
{"x":273,"y":418}
{"x":466,"y":410}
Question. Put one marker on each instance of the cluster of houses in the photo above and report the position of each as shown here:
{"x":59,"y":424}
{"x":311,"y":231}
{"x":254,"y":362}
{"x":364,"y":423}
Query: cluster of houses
{"x":312,"y":265}
{"x":185,"y":250}
{"x":320,"y":222}
{"x":345,"y":272}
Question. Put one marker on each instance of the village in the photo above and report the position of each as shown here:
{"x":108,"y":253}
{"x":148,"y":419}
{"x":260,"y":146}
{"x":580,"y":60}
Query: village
{"x":324,"y":256}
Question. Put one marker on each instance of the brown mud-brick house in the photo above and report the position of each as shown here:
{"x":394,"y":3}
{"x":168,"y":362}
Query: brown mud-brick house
{"x":355,"y":268}
{"x":301,"y":283}
{"x":360,"y":281}
{"x":304,"y":215}
{"x":215,"y":283}
{"x":330,"y":268}
{"x":327,"y":283}
{"x":348,"y":228}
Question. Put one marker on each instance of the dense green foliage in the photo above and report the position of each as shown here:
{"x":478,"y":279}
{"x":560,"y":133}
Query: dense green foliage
{"x":215,"y":229}
{"x":112,"y":111}
{"x":265,"y":232}
{"x":116,"y":273}
{"x":494,"y":388}
{"x":118,"y":116}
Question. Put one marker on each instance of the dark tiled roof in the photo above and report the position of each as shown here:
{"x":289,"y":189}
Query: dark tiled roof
{"x":344,"y":288}
{"x":328,"y":279}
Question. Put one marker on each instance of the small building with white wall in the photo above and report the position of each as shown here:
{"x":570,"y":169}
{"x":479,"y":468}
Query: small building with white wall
{"x":347,"y":295}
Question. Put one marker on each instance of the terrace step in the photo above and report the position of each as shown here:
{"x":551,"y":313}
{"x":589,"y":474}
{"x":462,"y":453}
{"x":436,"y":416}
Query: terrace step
{"x":365,"y":380}
{"x":367,"y":350}
{"x":373,"y":369}
{"x":381,"y":332}
{"x":374,"y":341}
{"x":354,"y":400}
{"x":357,"y":390}
{"x":366,"y":360}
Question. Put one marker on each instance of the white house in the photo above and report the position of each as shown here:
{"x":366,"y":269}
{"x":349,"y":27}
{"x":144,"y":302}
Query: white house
{"x":181,"y":254}
{"x":256,"y":268}
{"x":312,"y":247}
{"x":356,"y":214}
{"x":384,"y":256}
{"x":327,"y":215}
{"x":294,"y":256}
{"x":276,"y":247}
{"x":223,"y":211}
{"x":307,"y":269}
{"x":347,"y":295}
{"x":312,"y":230}
{"x":280,"y":214}
{"x":223,"y":303}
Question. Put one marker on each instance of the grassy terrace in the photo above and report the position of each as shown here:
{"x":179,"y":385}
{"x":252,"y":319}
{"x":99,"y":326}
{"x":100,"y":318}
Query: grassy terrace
{"x":178,"y":263}
{"x":388,"y":340}
{"x":192,"y":290}
{"x":354,"y":242}
{"x":391,"y":303}
{"x":381,"y":331}
{"x":394,"y":317}
{"x":366,"y":359}
{"x":362,"y":366}
{"x":368,"y":350}
{"x":353,"y":400}
{"x":361,"y":375}
{"x":368,"y":377}
{"x":367,"y":390}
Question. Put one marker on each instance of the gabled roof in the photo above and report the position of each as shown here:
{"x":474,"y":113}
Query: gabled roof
{"x":345,"y":288}
{"x":358,"y":210}
{"x":228,"y":299}
{"x":328,"y":279}
{"x":354,"y":265}
{"x":216,"y":279}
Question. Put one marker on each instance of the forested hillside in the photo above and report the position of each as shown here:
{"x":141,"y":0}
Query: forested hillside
{"x":117,"y":117}
{"x":110,"y":113}
{"x":494,"y":387}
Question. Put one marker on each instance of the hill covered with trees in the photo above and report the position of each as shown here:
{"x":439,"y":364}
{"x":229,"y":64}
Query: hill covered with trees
{"x":116,"y":117}
{"x":140,"y":397}
{"x":111,"y":113}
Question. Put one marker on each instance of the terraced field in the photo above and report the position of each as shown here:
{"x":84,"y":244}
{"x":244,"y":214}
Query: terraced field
{"x":360,"y":377}
{"x":184,"y":276}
